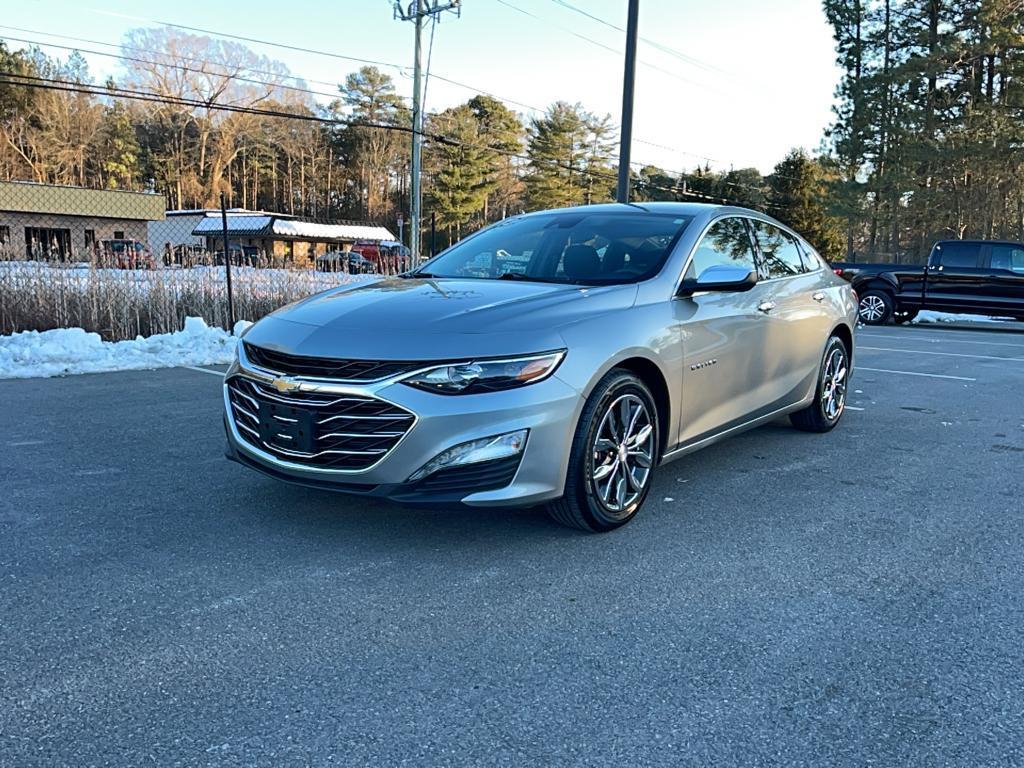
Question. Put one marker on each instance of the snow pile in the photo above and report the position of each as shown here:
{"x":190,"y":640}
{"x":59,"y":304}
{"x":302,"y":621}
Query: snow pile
{"x":72,"y":350}
{"x":928,"y":316}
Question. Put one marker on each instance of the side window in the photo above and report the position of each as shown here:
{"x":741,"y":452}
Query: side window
{"x":780,"y":256}
{"x":726,"y":242}
{"x":1009,"y":257}
{"x":958,"y":254}
{"x":812,"y":261}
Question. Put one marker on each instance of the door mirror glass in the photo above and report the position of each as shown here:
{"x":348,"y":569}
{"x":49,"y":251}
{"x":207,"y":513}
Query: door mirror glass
{"x":722,"y":278}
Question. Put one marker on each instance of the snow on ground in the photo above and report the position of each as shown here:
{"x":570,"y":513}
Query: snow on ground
{"x":928,"y":316}
{"x":64,"y":351}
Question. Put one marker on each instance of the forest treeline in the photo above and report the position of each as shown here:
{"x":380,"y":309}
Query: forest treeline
{"x":927,"y":140}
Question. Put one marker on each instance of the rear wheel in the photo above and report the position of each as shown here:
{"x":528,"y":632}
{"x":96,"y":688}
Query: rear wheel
{"x":613,"y":455}
{"x":875,"y":308}
{"x":830,"y":395}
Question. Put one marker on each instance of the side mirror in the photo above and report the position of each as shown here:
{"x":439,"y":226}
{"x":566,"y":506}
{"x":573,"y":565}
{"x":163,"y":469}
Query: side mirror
{"x":721,"y":278}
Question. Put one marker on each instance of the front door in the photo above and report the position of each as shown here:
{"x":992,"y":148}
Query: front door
{"x":723,"y":338}
{"x":956,"y":280}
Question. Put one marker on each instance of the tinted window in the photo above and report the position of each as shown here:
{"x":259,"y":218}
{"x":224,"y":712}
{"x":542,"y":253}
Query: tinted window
{"x":812,"y":261}
{"x":576,"y":246}
{"x":780,"y":256}
{"x":959,"y":254}
{"x":727,"y":242}
{"x":1009,"y":257}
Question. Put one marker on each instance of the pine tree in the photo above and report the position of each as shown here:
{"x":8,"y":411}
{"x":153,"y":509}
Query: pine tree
{"x":558,"y":157}
{"x":797,"y":190}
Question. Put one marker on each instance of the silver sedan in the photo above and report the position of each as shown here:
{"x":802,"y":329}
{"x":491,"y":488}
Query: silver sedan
{"x":554,"y":358}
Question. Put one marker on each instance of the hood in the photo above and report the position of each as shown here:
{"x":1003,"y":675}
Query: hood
{"x":428,"y":319}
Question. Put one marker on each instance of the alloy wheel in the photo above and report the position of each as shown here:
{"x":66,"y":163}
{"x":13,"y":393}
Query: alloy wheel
{"x":872,"y":309}
{"x":833,"y":384}
{"x":622,"y":454}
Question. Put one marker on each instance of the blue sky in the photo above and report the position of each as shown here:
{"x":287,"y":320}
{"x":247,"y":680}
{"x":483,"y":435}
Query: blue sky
{"x":761,"y":80}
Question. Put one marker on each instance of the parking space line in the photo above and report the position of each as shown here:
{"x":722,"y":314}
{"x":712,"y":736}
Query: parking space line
{"x":932,"y":340}
{"x":943,"y":354}
{"x":916,"y":373}
{"x":853,"y":408}
{"x":204,"y":370}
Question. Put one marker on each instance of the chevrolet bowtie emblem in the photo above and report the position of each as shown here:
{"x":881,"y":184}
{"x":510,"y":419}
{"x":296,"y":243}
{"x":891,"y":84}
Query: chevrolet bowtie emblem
{"x":284,"y":385}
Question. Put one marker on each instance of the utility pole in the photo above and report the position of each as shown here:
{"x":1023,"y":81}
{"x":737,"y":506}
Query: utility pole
{"x":628,"y":78}
{"x":416,"y":12}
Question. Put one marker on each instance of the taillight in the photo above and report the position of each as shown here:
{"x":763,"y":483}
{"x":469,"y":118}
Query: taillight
{"x":837,"y":271}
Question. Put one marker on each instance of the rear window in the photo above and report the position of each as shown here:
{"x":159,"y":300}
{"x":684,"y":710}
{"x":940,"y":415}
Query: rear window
{"x":955,"y":254}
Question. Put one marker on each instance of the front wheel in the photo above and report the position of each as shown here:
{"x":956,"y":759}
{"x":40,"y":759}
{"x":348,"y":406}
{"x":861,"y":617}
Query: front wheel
{"x":612,"y":458}
{"x":830,"y":395}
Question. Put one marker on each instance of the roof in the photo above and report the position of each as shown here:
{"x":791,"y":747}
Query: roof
{"x":668,"y":208}
{"x":270,"y":225}
{"x":29,"y":197}
{"x":230,"y":212}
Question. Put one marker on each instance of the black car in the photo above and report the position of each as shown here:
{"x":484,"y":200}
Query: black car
{"x":984,"y":277}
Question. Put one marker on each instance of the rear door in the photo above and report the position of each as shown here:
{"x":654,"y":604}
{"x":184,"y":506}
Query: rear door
{"x":956,"y":279}
{"x":724,"y":339}
{"x":1006,"y":278}
{"x":796,"y":312}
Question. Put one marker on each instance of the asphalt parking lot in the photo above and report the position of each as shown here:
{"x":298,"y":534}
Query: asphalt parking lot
{"x":845,"y":599}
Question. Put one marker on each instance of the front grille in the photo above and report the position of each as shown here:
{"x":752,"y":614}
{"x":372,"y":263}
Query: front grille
{"x":329,"y":368}
{"x":321,"y":431}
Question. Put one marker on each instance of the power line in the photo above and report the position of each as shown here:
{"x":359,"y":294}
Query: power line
{"x":654,"y":44}
{"x":332,"y":95}
{"x":590,"y":40}
{"x":55,"y":84}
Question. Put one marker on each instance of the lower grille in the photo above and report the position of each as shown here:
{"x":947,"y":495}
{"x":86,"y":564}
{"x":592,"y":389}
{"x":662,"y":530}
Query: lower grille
{"x":485,"y":476}
{"x":318,"y":430}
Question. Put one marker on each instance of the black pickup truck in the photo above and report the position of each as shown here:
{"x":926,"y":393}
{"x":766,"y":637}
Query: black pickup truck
{"x":981,"y":277}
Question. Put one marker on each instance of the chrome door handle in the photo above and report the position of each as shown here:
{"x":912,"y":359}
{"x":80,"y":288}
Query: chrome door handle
{"x":819,"y":296}
{"x":766,"y":306}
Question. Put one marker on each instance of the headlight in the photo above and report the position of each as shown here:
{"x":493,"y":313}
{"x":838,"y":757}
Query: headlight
{"x":486,"y":375}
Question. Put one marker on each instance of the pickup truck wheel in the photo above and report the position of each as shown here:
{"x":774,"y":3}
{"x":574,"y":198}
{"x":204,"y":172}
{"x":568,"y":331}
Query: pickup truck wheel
{"x":830,"y":395}
{"x":613,"y":455}
{"x":875,"y":308}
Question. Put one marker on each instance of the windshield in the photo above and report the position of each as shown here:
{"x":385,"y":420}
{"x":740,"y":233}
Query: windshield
{"x":565,"y":247}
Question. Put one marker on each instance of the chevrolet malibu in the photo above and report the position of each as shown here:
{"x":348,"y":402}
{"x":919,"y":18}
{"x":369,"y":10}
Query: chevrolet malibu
{"x":554,"y":358}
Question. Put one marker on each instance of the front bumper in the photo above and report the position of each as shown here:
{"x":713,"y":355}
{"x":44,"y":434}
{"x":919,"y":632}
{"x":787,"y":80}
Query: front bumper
{"x":549,"y":410}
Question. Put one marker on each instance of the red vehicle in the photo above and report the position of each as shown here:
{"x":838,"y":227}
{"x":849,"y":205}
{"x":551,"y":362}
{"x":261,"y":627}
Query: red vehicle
{"x":368,"y":250}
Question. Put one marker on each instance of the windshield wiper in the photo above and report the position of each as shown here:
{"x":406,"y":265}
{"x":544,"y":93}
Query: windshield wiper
{"x":520,"y":276}
{"x":413,"y":275}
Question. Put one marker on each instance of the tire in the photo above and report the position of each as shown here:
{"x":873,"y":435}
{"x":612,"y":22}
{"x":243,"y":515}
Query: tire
{"x":824,"y":412}
{"x":596,"y":499}
{"x":875,"y":307}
